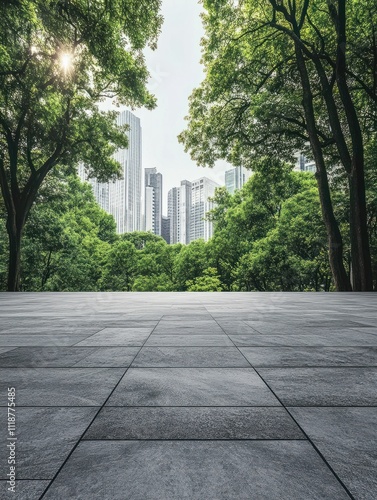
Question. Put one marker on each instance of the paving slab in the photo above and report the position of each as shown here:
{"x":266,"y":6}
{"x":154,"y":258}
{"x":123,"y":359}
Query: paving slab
{"x":182,"y":329}
{"x":310,"y":356}
{"x":59,"y":386}
{"x":18,"y":340}
{"x":59,"y":357}
{"x":259,"y":395}
{"x":193,"y":470}
{"x":323,"y":386}
{"x":192,"y":387}
{"x":118,"y":337}
{"x":192,"y":357}
{"x":194,"y":423}
{"x":341,"y":338}
{"x":189,"y":340}
{"x":45,"y":437}
{"x":25,"y":490}
{"x":347,"y":438}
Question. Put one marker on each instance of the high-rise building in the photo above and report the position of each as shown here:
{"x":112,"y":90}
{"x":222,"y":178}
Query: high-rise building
{"x":153,"y":201}
{"x":303,"y":164}
{"x":165,"y":228}
{"x":122,"y":198}
{"x":201,"y":190}
{"x":125,"y":193}
{"x":235,"y":178}
{"x":179,"y":213}
{"x":173,"y":213}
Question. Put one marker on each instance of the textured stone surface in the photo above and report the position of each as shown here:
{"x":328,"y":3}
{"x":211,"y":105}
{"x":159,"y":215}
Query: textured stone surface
{"x":45,"y":437}
{"x":347,"y":439}
{"x":190,"y":357}
{"x":152,"y":396}
{"x":194,"y":423}
{"x":310,"y":356}
{"x":192,"y":387}
{"x":59,"y":386}
{"x":323,"y":386}
{"x":273,"y":470}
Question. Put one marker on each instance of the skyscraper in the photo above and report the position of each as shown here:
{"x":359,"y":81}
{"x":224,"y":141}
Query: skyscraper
{"x":122,"y":198}
{"x":153,"y":200}
{"x":179,"y":213}
{"x":201,"y":190}
{"x":165,"y":228}
{"x":125,"y":193}
{"x":235,"y":178}
{"x":303,"y":163}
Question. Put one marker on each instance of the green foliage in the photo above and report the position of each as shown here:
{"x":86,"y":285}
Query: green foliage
{"x":208,"y":282}
{"x":119,"y":269}
{"x":265,"y":238}
{"x":59,"y":61}
{"x":190,"y":263}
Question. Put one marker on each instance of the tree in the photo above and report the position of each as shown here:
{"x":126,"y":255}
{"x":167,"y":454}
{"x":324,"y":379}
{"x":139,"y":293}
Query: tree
{"x":293,"y":254}
{"x":247,"y":216}
{"x":284,"y":74}
{"x":58,"y":60}
{"x":65,"y":239}
{"x":208,"y":282}
{"x":120,"y":267}
{"x":190,"y":263}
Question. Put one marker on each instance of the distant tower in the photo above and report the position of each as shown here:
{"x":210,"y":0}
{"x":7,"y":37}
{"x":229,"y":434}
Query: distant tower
{"x":201,"y":190}
{"x":153,"y":201}
{"x":235,"y":178}
{"x":303,"y":164}
{"x":165,"y":228}
{"x":179,"y":213}
{"x":122,"y":198}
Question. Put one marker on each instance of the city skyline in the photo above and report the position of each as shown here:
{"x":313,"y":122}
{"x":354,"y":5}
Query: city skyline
{"x":175,"y":70}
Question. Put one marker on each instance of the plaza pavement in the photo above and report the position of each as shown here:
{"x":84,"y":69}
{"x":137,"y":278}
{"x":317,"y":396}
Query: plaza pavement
{"x":159,"y":396}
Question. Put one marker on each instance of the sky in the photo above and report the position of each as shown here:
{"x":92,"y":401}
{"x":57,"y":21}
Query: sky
{"x":175,"y":71}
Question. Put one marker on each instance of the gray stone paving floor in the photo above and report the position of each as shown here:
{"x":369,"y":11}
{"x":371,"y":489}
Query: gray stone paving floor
{"x":205,"y":396}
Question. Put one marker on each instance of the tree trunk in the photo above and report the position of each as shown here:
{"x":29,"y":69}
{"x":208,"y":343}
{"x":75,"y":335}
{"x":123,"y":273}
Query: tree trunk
{"x":14,"y":264}
{"x":335,"y":242}
{"x":360,"y":251}
{"x":362,"y":279}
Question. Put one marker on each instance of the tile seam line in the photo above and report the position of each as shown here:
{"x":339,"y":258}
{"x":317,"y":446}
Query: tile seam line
{"x":311,"y":441}
{"x":299,"y":426}
{"x":263,"y":367}
{"x":90,"y":423}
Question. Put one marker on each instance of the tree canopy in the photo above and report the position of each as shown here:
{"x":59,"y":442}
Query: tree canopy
{"x":59,"y":60}
{"x":286,"y":76}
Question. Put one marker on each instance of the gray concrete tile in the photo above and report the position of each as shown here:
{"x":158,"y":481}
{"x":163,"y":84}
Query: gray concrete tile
{"x":189,"y":341}
{"x":118,"y":337}
{"x":310,"y":356}
{"x":59,"y":386}
{"x":299,"y":326}
{"x":40,"y":357}
{"x":40,"y":340}
{"x":49,"y":330}
{"x":60,"y":357}
{"x":182,"y":329}
{"x":6,"y":349}
{"x":192,"y":387}
{"x":109,"y":357}
{"x":194,"y":423}
{"x":45,"y":437}
{"x":340,"y":339}
{"x":347,"y":439}
{"x":237,"y":328}
{"x":190,"y":357}
{"x":232,"y":470}
{"x":323,"y":386}
{"x":25,"y":490}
